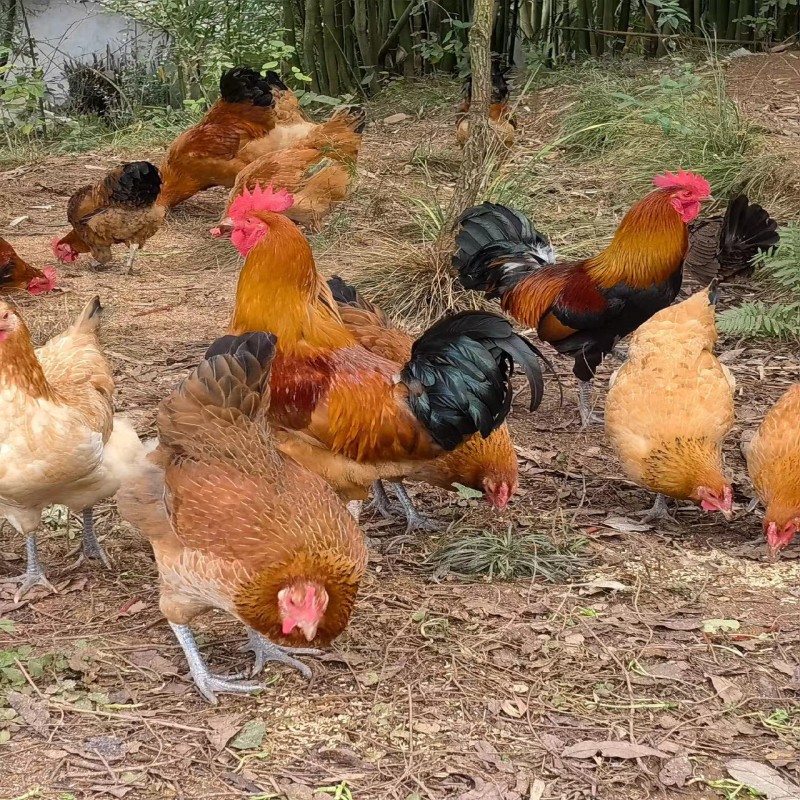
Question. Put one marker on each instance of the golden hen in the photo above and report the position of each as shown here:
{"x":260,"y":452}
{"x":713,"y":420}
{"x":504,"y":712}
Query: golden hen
{"x":773,"y":461}
{"x":61,"y":442}
{"x":236,"y":526}
{"x":670,"y":407}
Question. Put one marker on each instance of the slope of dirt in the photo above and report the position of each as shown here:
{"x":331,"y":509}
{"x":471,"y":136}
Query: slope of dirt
{"x":678,"y":639}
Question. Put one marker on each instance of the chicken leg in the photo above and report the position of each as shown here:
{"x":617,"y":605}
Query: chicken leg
{"x":354,"y":507}
{"x":381,"y":502}
{"x":588,"y":417}
{"x":132,"y":250}
{"x":415,"y":521}
{"x":207,"y":683}
{"x":91,"y":545}
{"x":265,"y":651}
{"x":34,"y":574}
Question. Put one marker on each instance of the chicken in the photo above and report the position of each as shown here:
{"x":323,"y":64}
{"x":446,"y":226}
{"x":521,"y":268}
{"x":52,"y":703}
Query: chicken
{"x":18,"y":274}
{"x":583,"y":308}
{"x":670,"y":407}
{"x":236,"y":526}
{"x":60,"y":441}
{"x":317,"y":171}
{"x":348,"y":414}
{"x":210,"y":153}
{"x":291,"y":123}
{"x":773,"y":461}
{"x":501,"y":121}
{"x":723,"y":247}
{"x":123,"y":208}
{"x":487,"y":465}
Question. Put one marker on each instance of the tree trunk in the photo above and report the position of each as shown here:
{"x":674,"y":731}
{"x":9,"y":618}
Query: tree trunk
{"x":309,"y":39}
{"x":331,"y":45}
{"x":584,"y":19}
{"x":291,"y":33}
{"x":9,"y":24}
{"x":482,"y":143}
{"x":401,"y":33}
{"x":349,"y":44}
{"x":625,"y":19}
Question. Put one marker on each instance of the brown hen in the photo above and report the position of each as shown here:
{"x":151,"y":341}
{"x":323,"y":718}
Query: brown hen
{"x":236,"y":526}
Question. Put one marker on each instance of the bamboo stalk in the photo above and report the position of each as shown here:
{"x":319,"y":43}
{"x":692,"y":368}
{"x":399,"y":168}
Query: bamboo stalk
{"x":309,"y":40}
{"x":331,"y":45}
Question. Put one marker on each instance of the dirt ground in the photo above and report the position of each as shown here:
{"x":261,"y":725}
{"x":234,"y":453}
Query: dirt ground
{"x":677,"y":643}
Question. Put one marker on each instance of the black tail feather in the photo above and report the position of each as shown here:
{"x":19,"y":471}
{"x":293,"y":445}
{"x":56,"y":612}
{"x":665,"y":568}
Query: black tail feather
{"x":245,"y":85}
{"x":747,"y":228}
{"x":497,"y":247}
{"x":344,"y":293}
{"x":138,"y":185}
{"x":459,"y":375}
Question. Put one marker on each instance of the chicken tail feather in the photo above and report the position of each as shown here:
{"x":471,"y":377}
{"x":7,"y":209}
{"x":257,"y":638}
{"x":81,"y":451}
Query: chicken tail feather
{"x":497,"y":247}
{"x":245,"y":85}
{"x":136,"y":184}
{"x":228,"y":390}
{"x":459,"y":375}
{"x":747,"y":228}
{"x":89,"y":318}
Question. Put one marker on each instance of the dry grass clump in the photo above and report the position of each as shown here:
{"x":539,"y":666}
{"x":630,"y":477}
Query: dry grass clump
{"x":412,"y":282}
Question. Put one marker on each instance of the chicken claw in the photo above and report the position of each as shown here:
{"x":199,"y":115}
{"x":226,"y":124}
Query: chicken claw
{"x":588,"y":417}
{"x":91,"y":546}
{"x":265,"y":651}
{"x":206,"y":682}
{"x":659,"y":510}
{"x":34,"y":575}
{"x":414,"y":520}
{"x":381,"y":503}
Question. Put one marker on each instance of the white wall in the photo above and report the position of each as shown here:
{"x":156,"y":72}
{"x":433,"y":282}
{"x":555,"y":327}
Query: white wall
{"x":70,"y":29}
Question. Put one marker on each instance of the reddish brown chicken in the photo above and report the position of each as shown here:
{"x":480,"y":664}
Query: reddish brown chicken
{"x":123,"y":208}
{"x":236,"y":526}
{"x":18,"y":274}
{"x":487,"y":465}
{"x":210,"y":153}
{"x":500,"y":119}
{"x":583,"y":308}
{"x":317,"y":171}
{"x":348,"y":414}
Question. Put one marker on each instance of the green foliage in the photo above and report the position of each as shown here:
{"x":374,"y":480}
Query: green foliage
{"x":20,"y":98}
{"x":507,"y":555}
{"x":780,"y":320}
{"x":36,"y":666}
{"x":685,"y":119}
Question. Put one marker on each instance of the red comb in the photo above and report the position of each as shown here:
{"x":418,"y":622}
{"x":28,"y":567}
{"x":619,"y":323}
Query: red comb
{"x":260,"y":200}
{"x":683,"y":180}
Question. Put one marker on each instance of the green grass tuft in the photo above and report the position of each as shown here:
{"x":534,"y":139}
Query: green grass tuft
{"x":508,"y":556}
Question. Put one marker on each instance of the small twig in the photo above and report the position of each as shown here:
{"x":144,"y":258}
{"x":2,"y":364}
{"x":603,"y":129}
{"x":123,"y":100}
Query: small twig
{"x":29,"y":679}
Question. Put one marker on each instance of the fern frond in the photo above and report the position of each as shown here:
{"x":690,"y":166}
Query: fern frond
{"x":782,"y":265}
{"x":759,"y":320}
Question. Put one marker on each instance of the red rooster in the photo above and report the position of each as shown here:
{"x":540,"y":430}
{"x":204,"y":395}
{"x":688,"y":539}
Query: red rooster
{"x":583,"y":308}
{"x":18,"y":274}
{"x":350,"y":415}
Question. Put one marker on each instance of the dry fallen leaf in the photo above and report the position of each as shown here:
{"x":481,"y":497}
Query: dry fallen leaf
{"x":626,"y":525}
{"x":676,"y":771}
{"x":33,"y":713}
{"x":610,"y":749}
{"x":763,"y":778}
{"x":727,"y":690}
{"x":513,"y":708}
{"x":223,"y":728}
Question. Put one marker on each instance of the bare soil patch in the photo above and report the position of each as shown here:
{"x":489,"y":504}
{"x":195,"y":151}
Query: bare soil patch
{"x":678,"y":638}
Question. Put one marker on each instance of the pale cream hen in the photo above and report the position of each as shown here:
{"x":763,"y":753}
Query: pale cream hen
{"x":59,"y":439}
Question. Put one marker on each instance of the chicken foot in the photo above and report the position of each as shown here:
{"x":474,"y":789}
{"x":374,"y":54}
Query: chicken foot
{"x":206,"y":682}
{"x":415,"y":521}
{"x":659,"y":510}
{"x":265,"y":650}
{"x":34,"y":574}
{"x":91,"y":545}
{"x":588,"y":417}
{"x":381,"y":502}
